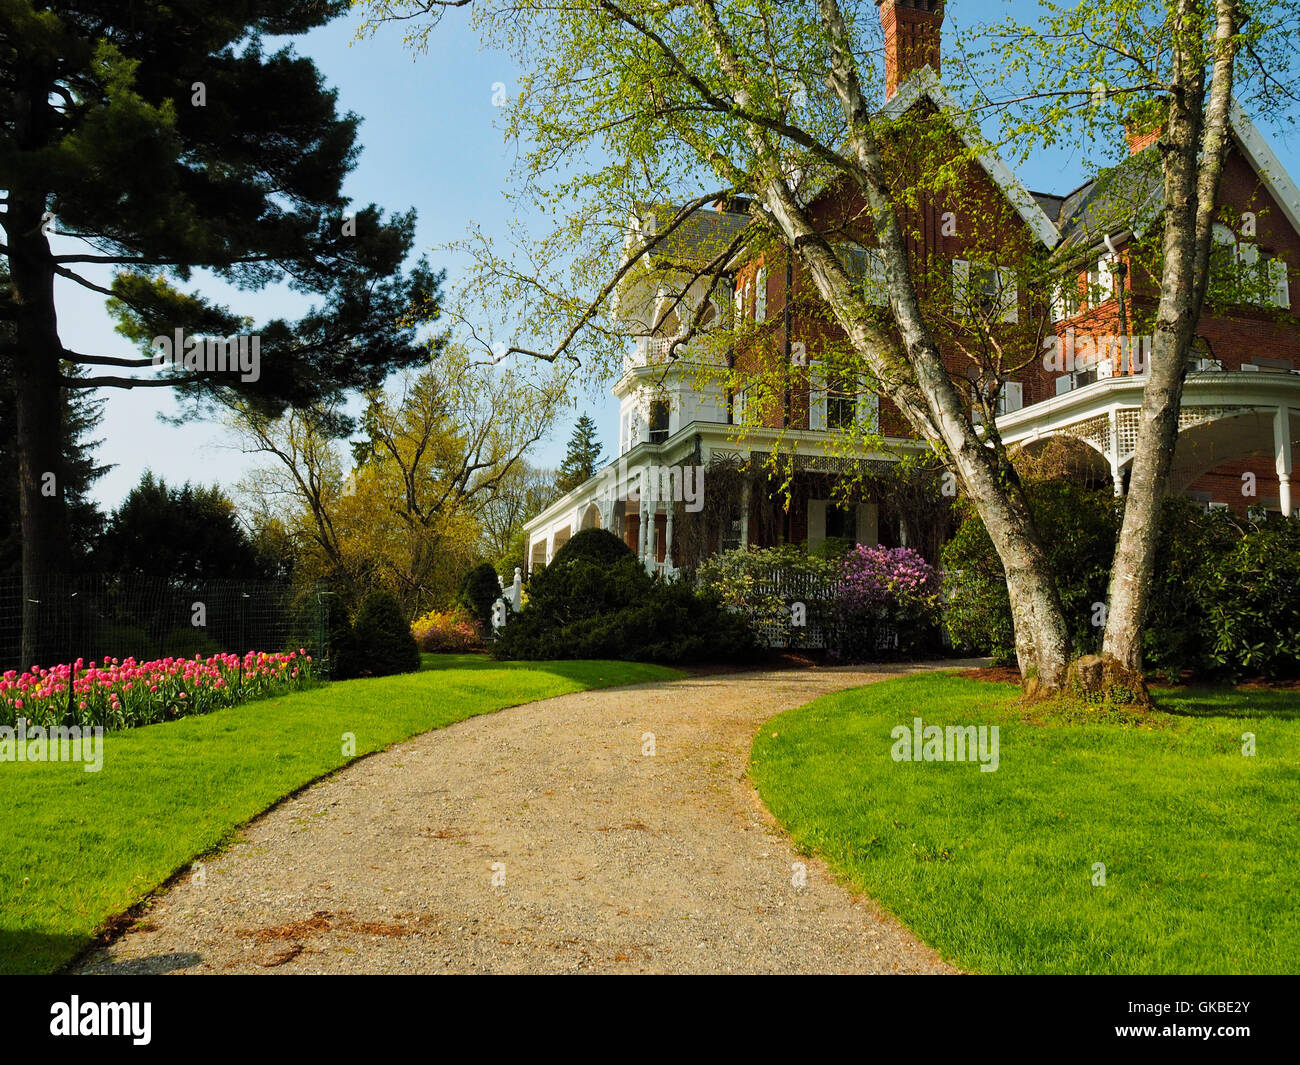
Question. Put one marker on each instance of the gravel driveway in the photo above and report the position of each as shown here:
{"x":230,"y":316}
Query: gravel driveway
{"x":543,"y":838}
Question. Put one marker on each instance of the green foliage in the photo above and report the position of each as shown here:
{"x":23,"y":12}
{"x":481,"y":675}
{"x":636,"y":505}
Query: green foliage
{"x":1078,"y":528}
{"x":344,"y":653}
{"x":384,"y":644}
{"x":595,"y":599}
{"x":760,"y":586}
{"x":1222,"y":603}
{"x":186,"y":534}
{"x":479,"y":589}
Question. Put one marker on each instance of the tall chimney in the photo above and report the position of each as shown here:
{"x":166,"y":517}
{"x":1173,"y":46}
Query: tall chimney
{"x":911,"y":38}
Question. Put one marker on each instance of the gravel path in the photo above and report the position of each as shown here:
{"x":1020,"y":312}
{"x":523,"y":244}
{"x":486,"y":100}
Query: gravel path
{"x":613,"y":860}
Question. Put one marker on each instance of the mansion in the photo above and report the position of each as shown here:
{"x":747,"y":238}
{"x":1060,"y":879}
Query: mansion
{"x":699,"y":450}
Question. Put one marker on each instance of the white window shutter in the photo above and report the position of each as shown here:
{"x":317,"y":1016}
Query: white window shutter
{"x":1281,"y":288}
{"x":817,"y":398}
{"x":1057,"y":311}
{"x":1106,"y":272}
{"x":738,"y":408}
{"x":760,"y":295}
{"x":1009,"y":293}
{"x":816,"y":522}
{"x":1063,"y":384}
{"x":1013,"y":393}
{"x":869,"y":412}
{"x":868,"y":524}
{"x":960,"y":286}
{"x":875,"y":287}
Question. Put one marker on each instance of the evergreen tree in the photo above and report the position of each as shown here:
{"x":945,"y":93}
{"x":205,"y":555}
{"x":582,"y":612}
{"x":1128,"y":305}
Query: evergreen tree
{"x":582,"y":459}
{"x":166,"y":140}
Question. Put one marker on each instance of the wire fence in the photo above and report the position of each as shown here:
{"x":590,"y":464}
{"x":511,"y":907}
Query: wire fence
{"x":94,"y":616}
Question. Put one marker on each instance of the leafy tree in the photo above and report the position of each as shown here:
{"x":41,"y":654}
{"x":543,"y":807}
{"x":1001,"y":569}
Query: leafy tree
{"x":525,"y":491}
{"x":430,"y":456}
{"x":165,"y":140}
{"x":183,"y":534}
{"x":81,"y":415}
{"x":780,"y":102}
{"x":582,"y":459}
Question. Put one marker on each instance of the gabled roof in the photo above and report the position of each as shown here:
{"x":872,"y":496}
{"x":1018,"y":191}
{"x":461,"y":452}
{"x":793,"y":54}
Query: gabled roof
{"x":696,"y":242}
{"x":1130,"y":196}
{"x":1125,"y":198}
{"x":924,"y":84}
{"x":1270,"y":170}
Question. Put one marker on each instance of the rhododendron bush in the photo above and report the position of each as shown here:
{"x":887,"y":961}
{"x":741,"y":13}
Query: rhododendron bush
{"x":123,"y":693}
{"x":888,"y":596}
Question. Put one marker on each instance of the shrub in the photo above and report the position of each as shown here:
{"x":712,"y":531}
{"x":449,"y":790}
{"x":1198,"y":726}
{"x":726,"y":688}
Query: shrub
{"x":1222,"y":600}
{"x":479,"y":589}
{"x":595,"y":600}
{"x":761,"y":586}
{"x":344,"y":660}
{"x":1247,"y":604}
{"x":384,"y":643}
{"x":447,"y":632}
{"x":1078,"y":528}
{"x":886,"y":592}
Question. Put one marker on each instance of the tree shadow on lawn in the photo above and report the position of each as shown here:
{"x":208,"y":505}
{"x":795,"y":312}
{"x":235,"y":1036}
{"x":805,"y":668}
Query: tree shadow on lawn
{"x":1251,"y":704}
{"x":27,"y":951}
{"x":580,"y":671}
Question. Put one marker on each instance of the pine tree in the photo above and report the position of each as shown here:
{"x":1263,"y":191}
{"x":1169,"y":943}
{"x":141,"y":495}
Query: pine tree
{"x":582,"y":459}
{"x":167,"y":140}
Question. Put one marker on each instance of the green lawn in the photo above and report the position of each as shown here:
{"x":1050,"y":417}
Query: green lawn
{"x":79,"y":848}
{"x":996,"y":869}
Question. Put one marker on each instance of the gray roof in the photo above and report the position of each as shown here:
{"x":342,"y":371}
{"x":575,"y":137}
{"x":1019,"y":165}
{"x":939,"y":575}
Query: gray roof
{"x":698,"y":240}
{"x":1127,"y":197}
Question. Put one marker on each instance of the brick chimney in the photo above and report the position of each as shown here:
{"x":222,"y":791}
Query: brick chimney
{"x":1139,"y":138}
{"x":911,"y":38}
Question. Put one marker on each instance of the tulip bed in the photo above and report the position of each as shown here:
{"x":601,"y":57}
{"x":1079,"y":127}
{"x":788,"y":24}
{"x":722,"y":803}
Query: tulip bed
{"x":124,"y":693}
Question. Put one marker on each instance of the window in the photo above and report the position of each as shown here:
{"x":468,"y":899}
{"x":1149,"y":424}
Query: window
{"x":738,"y":408}
{"x":841,"y":402}
{"x":842,"y":522}
{"x":1242,"y":273}
{"x":760,"y":295}
{"x":866,"y":267}
{"x":658,"y":421}
{"x":1065,"y":299}
{"x":984,"y":293}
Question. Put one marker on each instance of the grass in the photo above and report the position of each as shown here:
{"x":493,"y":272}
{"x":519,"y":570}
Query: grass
{"x":996,"y":869}
{"x":80,"y":848}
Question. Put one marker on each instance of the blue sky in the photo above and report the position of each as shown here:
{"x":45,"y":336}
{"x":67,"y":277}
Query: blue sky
{"x":431,"y":141}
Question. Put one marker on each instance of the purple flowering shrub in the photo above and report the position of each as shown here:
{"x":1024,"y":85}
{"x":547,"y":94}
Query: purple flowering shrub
{"x":887,"y":591}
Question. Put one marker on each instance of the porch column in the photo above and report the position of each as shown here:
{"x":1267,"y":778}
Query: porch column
{"x":646,"y":531}
{"x":1282,"y":450}
{"x":668,"y":535}
{"x":1112,"y":455}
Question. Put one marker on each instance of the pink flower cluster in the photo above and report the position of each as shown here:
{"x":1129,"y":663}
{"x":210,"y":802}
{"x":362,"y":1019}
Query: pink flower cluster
{"x":123,"y":693}
{"x":897,"y":577}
